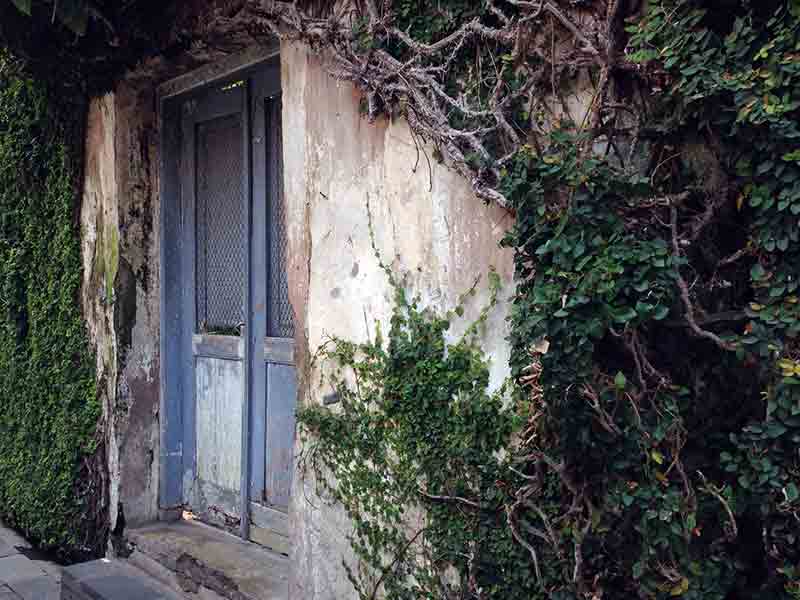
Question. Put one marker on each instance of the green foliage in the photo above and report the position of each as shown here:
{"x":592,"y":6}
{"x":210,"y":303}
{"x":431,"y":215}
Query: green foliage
{"x":651,"y":451}
{"x":417,"y":438}
{"x":48,"y":407}
{"x":689,"y":447}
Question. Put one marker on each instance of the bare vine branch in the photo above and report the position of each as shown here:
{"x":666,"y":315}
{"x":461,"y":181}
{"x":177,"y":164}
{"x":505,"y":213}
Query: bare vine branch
{"x":684,"y":289}
{"x":418,"y":86}
{"x":733,"y":532}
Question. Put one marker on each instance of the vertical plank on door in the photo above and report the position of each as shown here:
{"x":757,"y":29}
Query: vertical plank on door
{"x":281,"y":394}
{"x":219,"y":423}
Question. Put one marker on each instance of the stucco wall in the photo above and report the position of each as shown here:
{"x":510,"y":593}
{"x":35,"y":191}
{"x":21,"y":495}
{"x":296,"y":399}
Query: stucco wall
{"x":425,"y":219}
{"x":137,"y":307}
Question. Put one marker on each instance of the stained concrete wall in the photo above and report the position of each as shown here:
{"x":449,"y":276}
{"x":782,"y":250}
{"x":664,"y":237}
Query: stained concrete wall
{"x":120,"y":293}
{"x":427,"y":223}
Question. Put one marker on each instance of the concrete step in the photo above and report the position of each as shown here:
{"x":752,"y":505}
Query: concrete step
{"x":205,"y":563}
{"x":112,"y":580}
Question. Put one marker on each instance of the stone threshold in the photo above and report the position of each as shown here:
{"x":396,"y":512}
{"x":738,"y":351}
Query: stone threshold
{"x":202,"y":562}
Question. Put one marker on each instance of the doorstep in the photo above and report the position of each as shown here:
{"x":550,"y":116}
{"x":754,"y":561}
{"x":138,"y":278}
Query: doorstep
{"x":206,"y":563}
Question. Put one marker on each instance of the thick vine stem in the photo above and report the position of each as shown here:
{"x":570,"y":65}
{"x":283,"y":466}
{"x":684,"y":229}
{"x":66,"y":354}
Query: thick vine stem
{"x":393,"y":564}
{"x":733,"y":533}
{"x":684,"y":289}
{"x":458,"y":499}
{"x":512,"y":524}
{"x":418,"y":86}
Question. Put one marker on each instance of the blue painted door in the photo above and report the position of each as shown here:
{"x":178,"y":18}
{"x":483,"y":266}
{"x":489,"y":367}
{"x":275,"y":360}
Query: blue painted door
{"x":273,"y":484}
{"x":215,"y":184}
{"x":237,"y":326}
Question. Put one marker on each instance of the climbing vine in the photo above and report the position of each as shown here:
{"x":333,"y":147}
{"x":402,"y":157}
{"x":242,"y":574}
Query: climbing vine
{"x":49,"y":484}
{"x":414,"y":451}
{"x":650,"y":450}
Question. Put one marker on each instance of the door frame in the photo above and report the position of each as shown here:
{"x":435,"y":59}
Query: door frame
{"x":177,"y":468}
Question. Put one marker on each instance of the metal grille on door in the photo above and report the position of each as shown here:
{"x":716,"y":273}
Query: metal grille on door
{"x":221,"y":228}
{"x":280,"y":323}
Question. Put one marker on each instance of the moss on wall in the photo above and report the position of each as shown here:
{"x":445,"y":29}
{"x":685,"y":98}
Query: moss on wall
{"x":49,"y":486}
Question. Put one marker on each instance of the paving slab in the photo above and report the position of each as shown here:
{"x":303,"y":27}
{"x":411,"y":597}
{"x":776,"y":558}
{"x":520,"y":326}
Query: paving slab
{"x":18,"y":568}
{"x":7,"y":548}
{"x":40,"y":588}
{"x":11,"y":542}
{"x":111,"y":580}
{"x":12,"y":537}
{"x":7,"y":594}
{"x":26,"y":574}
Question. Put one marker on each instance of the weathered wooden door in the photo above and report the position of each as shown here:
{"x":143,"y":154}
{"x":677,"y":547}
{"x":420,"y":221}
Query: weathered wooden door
{"x":278,"y":358}
{"x":276,"y":378}
{"x":239,"y":377}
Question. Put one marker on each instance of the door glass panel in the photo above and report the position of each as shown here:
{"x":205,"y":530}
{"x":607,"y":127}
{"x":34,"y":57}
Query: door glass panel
{"x":221,"y":227}
{"x":280,"y":320}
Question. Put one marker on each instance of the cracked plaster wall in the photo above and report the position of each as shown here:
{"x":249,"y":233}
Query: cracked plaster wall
{"x":426,"y":220}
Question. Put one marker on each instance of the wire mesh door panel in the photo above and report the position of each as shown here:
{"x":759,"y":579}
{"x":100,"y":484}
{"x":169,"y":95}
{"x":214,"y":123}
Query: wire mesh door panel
{"x":280,"y":319}
{"x":221,"y":236}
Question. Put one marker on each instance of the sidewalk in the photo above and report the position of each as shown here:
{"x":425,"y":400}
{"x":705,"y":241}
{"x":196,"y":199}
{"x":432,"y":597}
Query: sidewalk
{"x":23,"y":578}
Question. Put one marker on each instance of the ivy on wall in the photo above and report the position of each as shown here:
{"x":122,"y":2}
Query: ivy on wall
{"x":653,"y":449}
{"x":417,"y":432}
{"x":48,"y":408}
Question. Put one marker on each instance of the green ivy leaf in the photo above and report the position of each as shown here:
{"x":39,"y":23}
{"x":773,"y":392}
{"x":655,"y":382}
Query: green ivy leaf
{"x":792,"y":493}
{"x":74,"y":14}
{"x":757,"y":272}
{"x":623,"y":315}
{"x":775,"y":429}
{"x":620,"y":380}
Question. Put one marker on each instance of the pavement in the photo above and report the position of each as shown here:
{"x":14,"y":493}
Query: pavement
{"x":23,"y":575}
